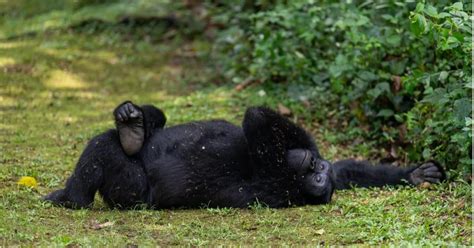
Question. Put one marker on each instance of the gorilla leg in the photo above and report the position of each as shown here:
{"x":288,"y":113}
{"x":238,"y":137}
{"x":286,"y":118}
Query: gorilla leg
{"x":270,"y":136}
{"x":103,"y":166}
{"x":135,"y":124}
{"x":350,"y":173}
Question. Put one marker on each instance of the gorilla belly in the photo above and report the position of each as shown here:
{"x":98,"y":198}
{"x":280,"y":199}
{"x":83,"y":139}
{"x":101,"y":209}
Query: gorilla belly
{"x":187,"y":165}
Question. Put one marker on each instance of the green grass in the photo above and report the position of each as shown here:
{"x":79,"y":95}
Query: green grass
{"x":58,"y":90}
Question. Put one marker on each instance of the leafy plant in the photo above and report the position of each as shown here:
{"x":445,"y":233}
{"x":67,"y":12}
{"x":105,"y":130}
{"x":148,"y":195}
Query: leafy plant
{"x":402,"y":69}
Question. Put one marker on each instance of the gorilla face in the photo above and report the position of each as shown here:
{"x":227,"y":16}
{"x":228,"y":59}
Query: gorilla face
{"x":318,"y":181}
{"x":314,"y":174}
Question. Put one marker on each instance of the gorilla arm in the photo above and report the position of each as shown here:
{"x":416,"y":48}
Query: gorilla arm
{"x":350,"y":173}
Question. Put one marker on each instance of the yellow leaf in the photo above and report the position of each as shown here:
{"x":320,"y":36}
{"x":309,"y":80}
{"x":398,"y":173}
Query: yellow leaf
{"x":28,"y":182}
{"x":320,"y":231}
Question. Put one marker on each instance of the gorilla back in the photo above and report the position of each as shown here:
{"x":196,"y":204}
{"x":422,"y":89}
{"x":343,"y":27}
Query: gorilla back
{"x":269,"y":160}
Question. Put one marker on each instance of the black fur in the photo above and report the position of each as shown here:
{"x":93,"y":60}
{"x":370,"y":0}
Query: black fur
{"x":215,"y":163}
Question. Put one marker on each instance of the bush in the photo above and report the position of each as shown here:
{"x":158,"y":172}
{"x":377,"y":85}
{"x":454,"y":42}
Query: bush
{"x":402,"y":69}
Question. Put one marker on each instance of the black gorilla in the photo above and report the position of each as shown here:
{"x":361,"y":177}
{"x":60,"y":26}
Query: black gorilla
{"x":215,"y":163}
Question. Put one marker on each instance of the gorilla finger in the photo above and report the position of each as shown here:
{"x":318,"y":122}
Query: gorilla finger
{"x":434,"y":174}
{"x":432,"y":180}
{"x":118,"y":117}
{"x":124,"y":109}
{"x":124,"y":114}
{"x":427,"y":165}
{"x":129,"y":108}
{"x":432,"y":168}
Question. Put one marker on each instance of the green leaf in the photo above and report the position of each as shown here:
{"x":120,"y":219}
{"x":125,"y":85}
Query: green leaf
{"x":450,"y":43}
{"x":337,"y":85}
{"x":439,"y":96}
{"x":340,"y":66}
{"x":367,"y":76}
{"x":419,"y":7}
{"x":457,"y":6}
{"x":379,"y":89}
{"x":444,"y":15}
{"x":462,"y":108}
{"x":397,"y":67}
{"x":385,"y":113}
{"x":469,"y":85}
{"x":443,"y":75}
{"x":426,"y":153}
{"x":418,"y":24}
{"x":399,"y":118}
{"x":431,"y":11}
{"x":394,"y":40}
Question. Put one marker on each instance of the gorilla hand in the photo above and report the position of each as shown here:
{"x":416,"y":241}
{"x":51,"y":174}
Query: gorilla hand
{"x":130,"y":125}
{"x":428,"y":172}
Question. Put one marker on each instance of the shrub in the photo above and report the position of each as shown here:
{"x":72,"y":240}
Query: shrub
{"x":403,"y":69}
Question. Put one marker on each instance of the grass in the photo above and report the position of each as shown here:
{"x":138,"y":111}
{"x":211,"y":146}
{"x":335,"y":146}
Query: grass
{"x":58,"y":89}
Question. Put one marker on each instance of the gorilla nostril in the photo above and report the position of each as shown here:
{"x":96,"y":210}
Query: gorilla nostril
{"x":319,"y":178}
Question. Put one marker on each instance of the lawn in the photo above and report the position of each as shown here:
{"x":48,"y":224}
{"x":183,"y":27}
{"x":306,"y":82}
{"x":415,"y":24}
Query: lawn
{"x":58,"y":89}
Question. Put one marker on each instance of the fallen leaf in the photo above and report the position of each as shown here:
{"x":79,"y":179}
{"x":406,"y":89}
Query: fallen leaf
{"x":246,"y":83}
{"x":393,"y":151}
{"x":402,"y":133}
{"x":28,"y":182}
{"x":396,"y":84}
{"x":283,"y":110}
{"x":306,"y":103}
{"x":320,"y":232}
{"x":95,"y":225}
{"x":425,"y":185}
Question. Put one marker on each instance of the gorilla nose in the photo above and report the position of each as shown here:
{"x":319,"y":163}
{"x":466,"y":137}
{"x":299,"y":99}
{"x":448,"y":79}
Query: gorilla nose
{"x":320,"y":180}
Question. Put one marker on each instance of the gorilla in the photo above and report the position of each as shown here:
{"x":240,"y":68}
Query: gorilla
{"x":269,"y":160}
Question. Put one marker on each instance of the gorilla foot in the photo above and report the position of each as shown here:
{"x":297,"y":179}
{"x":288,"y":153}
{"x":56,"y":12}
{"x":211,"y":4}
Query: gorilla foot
{"x":428,"y":172}
{"x":59,"y":198}
{"x":130,"y":125}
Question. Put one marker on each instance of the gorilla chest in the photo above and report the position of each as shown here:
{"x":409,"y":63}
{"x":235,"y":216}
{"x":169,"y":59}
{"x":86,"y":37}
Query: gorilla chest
{"x":190,"y":165}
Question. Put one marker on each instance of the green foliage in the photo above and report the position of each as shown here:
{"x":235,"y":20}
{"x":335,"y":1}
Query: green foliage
{"x":401,"y":68}
{"x":441,"y":121}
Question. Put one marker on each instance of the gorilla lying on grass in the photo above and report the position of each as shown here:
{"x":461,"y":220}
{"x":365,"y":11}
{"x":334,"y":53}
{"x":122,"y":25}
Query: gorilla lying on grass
{"x":268,"y":160}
